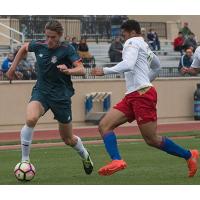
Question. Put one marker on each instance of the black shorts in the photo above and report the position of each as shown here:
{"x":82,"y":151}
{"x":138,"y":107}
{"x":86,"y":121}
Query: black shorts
{"x":60,"y":108}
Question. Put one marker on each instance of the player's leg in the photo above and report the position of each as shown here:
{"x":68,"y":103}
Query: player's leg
{"x":148,"y":131}
{"x":33,"y":112}
{"x":70,"y":139}
{"x":75,"y":142}
{"x":150,"y":136}
{"x":146,"y":116}
{"x":111,"y":120}
{"x":62,"y":113}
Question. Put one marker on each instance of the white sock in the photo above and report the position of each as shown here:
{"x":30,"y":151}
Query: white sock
{"x":26,"y":140}
{"x":81,"y":149}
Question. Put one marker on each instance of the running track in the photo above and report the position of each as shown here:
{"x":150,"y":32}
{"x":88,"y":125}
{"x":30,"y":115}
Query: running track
{"x":93,"y":131}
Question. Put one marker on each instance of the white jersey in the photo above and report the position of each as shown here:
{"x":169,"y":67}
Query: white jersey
{"x":137,"y":58}
{"x":196,"y":58}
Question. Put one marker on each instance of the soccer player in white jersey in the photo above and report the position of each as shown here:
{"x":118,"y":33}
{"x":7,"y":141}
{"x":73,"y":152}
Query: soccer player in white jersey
{"x":195,"y":67}
{"x":140,"y":66}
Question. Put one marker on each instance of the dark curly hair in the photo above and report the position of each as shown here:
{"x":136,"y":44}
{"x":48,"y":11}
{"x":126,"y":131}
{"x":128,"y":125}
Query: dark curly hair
{"x":131,"y":25}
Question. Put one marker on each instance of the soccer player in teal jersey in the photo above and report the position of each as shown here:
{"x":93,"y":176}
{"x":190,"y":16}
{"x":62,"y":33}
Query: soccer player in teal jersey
{"x":56,"y":61}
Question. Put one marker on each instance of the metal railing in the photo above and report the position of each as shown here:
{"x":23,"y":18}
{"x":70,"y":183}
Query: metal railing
{"x":93,"y":27}
{"x":159,"y":27}
{"x":165,"y":72}
{"x":12,"y":31}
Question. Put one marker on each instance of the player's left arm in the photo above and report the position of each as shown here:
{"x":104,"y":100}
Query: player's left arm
{"x":192,"y":70}
{"x":155,"y":67}
{"x":78,"y":69}
{"x":195,"y":67}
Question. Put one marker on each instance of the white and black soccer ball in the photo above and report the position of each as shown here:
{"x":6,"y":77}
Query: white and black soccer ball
{"x":24,"y":171}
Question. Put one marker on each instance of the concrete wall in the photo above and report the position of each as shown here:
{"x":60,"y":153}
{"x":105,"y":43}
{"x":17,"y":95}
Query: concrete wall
{"x":155,"y":18}
{"x":175,"y":100}
{"x":174,"y":22}
{"x":193,"y":21}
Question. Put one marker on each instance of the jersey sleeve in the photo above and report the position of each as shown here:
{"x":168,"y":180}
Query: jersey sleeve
{"x":155,"y":68}
{"x":130,"y":52}
{"x":33,"y":46}
{"x":72,"y":54}
{"x":129,"y":55}
{"x":196,"y":59}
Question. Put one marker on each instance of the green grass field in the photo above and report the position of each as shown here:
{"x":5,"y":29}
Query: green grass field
{"x":61,"y":165}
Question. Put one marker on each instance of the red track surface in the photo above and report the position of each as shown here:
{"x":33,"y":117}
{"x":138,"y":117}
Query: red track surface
{"x":93,"y":132}
{"x":57,"y":144}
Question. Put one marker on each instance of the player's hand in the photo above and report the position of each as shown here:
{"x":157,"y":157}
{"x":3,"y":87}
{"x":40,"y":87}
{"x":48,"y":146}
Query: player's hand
{"x":184,"y":70}
{"x":10,"y":73}
{"x":64,"y":69}
{"x":97,"y":71}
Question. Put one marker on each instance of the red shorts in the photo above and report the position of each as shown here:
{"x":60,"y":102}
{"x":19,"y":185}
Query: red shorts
{"x":139,"y":105}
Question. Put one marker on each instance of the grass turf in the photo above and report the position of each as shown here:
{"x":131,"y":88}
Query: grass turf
{"x":61,"y":165}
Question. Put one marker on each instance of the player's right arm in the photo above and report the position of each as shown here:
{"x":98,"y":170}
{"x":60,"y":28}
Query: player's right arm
{"x":20,"y":55}
{"x":130,"y":54}
{"x":127,"y":64}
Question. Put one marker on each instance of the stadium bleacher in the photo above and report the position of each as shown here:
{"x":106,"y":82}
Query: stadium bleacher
{"x":168,"y":58}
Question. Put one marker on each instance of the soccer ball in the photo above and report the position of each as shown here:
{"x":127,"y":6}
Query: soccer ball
{"x":24,"y":171}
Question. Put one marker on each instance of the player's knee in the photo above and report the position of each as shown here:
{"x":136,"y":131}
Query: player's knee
{"x":152,"y":142}
{"x":68,"y":141}
{"x":149,"y":142}
{"x":104,"y":127}
{"x":31,"y":121}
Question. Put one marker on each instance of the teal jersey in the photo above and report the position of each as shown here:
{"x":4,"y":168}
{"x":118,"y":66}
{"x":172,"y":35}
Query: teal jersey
{"x":50,"y":81}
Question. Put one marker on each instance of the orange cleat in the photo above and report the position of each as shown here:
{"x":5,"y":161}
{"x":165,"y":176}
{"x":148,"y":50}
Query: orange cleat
{"x":111,"y":168}
{"x":193,"y":163}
